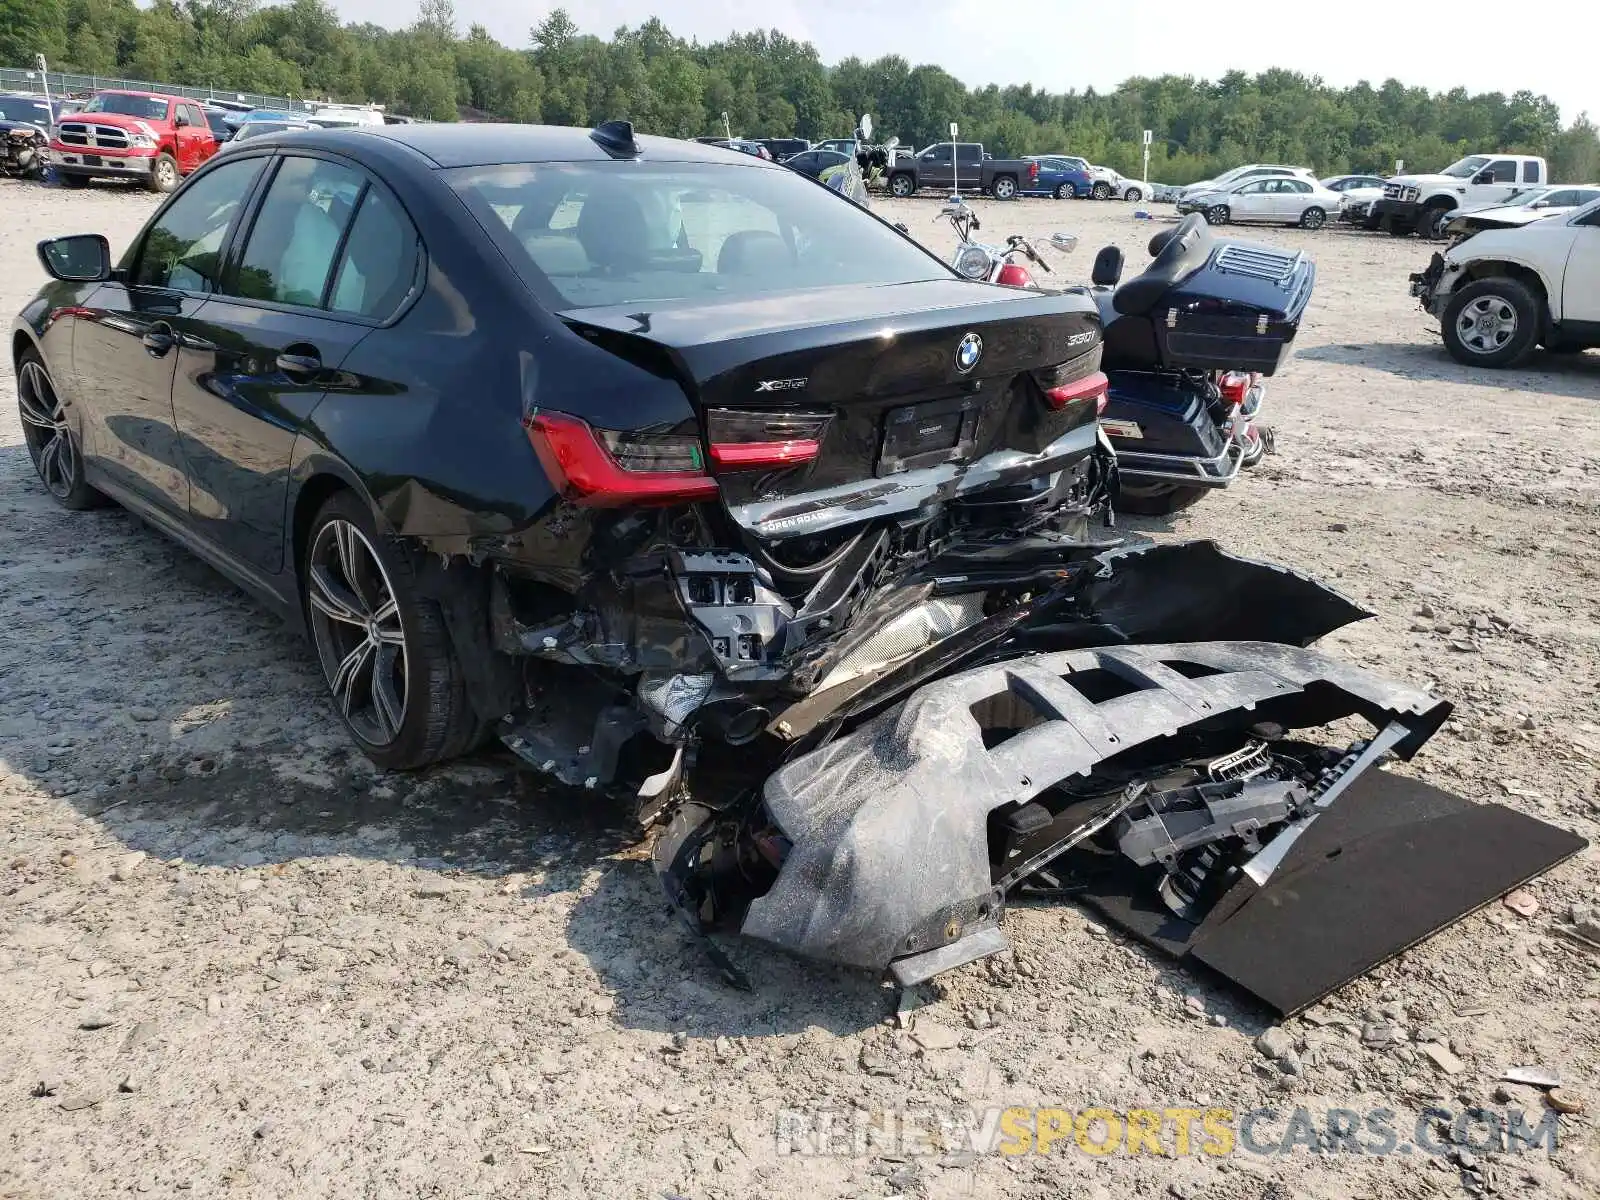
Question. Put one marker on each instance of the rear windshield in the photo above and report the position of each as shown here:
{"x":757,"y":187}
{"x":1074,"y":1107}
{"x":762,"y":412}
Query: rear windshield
{"x":589,"y":235}
{"x":146,"y":108}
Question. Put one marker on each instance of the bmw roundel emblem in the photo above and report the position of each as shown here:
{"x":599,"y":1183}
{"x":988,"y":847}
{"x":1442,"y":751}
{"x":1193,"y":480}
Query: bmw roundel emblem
{"x":968,"y":351}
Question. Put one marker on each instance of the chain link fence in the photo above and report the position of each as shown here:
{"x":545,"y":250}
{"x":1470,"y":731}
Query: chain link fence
{"x":21,"y":79}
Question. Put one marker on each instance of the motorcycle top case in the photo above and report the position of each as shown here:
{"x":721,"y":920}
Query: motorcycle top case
{"x":1239,"y":311}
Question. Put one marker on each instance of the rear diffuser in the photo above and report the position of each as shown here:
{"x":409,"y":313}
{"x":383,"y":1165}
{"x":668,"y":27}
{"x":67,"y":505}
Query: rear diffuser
{"x":1393,"y":862}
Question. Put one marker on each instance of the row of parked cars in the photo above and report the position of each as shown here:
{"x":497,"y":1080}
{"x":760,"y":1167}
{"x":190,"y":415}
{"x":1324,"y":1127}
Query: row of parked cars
{"x":949,"y":166}
{"x":1479,"y":192}
{"x":147,"y":137}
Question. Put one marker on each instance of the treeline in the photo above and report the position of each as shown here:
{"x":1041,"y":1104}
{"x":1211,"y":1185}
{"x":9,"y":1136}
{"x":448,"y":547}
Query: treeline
{"x":771,"y":85}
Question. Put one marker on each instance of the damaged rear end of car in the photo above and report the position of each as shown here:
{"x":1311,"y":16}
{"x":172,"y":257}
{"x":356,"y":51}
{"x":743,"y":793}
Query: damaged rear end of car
{"x":1149,"y":738}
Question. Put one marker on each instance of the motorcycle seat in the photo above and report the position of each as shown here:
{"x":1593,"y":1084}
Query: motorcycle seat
{"x":1187,"y":250}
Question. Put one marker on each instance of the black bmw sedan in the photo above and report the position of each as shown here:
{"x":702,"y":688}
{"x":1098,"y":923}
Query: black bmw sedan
{"x":574,"y":437}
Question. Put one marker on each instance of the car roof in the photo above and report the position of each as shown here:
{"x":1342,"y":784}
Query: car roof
{"x":475,"y":145}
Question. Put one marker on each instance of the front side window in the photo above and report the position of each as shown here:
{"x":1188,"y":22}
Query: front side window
{"x":1254,"y":189}
{"x":1466,"y":168}
{"x":290,"y":252}
{"x":937,"y":154}
{"x":146,"y":108}
{"x":597,"y":234}
{"x":1505,"y":171}
{"x":182,"y":250}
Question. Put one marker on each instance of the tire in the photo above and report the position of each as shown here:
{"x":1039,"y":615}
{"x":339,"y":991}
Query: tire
{"x":1313,"y":218}
{"x":1062,"y":192}
{"x":71,"y":179}
{"x":1491,"y":323}
{"x":1395,"y":227}
{"x":901,"y":186}
{"x":53,"y":444}
{"x":1004,"y":188}
{"x":1431,"y":226}
{"x":1133,"y":196}
{"x":1101,"y":191}
{"x":1218,"y":214}
{"x":1158,"y":499}
{"x":163,"y":174}
{"x":384,"y":649}
{"x":1371,"y":224}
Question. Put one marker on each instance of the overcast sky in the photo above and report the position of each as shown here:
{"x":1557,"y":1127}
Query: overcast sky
{"x":1482,"y":45}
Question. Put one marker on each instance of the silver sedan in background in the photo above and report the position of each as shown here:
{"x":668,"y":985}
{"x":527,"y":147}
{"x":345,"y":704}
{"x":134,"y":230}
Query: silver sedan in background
{"x":1284,"y":200}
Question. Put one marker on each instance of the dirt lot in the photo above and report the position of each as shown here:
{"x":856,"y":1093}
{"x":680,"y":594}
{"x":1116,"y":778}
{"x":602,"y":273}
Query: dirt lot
{"x":233,"y":960}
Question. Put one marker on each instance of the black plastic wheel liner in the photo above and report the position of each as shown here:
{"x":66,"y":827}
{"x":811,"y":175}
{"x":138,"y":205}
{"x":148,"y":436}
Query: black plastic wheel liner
{"x":889,"y":823}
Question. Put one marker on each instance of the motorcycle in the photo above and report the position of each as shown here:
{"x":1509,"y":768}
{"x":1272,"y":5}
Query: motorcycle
{"x":22,"y":150}
{"x":1187,"y":347}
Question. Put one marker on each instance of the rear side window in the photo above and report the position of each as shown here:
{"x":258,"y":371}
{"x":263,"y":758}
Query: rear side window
{"x":379,"y":261}
{"x":967,"y":152}
{"x":182,"y":251}
{"x":1530,"y":172}
{"x":292,"y":245}
{"x":598,"y":234}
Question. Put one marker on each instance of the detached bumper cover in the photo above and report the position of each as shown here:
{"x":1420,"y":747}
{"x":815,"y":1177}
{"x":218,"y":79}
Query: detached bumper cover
{"x":889,"y":825}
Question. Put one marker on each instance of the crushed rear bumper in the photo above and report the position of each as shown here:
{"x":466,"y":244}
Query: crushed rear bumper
{"x":889,"y":831}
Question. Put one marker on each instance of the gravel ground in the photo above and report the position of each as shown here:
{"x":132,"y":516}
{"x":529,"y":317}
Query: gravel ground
{"x":233,"y":959}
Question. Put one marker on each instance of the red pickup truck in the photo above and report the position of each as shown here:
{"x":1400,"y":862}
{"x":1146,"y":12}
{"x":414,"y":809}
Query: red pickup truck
{"x":143,"y":136}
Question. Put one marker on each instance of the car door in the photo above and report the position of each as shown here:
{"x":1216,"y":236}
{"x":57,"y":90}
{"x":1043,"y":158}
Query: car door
{"x":202,"y":144}
{"x":328,"y":255}
{"x":936,"y":167}
{"x":1251,"y":202}
{"x":1292,"y":199}
{"x":969,"y":165}
{"x":1580,"y":288}
{"x":1494,"y":184}
{"x":129,"y":335}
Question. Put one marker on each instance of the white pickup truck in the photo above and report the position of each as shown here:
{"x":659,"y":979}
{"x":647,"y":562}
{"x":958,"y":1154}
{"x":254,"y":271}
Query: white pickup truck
{"x":1499,"y":293}
{"x":1419,"y":203}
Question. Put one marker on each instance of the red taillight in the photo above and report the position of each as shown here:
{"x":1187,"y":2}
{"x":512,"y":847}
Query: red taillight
{"x":1033,"y":170}
{"x":1233,"y":386}
{"x":1011,"y":275}
{"x":748,"y":440}
{"x":745,"y":456}
{"x":603,"y":468}
{"x":1090,"y":387}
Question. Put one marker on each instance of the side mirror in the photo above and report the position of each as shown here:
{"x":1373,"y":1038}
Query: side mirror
{"x":181,"y":120}
{"x":901,"y":226}
{"x":1483,"y":177}
{"x":1107,"y":268}
{"x":77,"y":258}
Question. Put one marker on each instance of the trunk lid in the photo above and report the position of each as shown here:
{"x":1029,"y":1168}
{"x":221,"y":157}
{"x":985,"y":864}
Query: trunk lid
{"x":909,"y":391}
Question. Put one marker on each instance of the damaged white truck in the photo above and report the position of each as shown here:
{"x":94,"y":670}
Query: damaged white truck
{"x":1499,"y":293}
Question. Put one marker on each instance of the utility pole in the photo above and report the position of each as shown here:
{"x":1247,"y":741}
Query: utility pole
{"x":44,"y":79}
